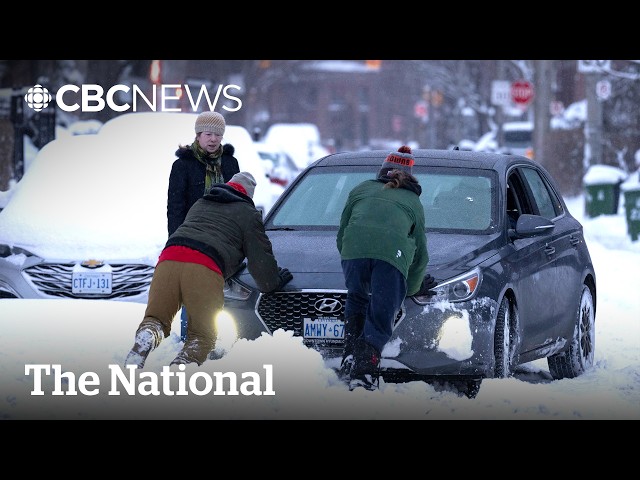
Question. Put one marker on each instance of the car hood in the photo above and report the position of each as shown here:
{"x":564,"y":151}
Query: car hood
{"x":83,"y":198}
{"x":314,"y":261}
{"x":56,"y":238}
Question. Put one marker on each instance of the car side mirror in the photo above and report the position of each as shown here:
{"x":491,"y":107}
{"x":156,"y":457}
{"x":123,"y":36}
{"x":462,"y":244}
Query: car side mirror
{"x":530,"y":226}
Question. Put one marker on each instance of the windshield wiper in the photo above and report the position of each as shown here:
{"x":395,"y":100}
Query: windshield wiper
{"x":287,"y":229}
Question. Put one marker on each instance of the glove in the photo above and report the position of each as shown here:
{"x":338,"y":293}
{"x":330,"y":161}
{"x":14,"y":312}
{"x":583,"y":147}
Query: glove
{"x":428,"y":284}
{"x":285,"y":277}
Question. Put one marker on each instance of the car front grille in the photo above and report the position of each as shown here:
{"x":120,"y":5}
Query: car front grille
{"x":54,"y":280}
{"x":286,"y":310}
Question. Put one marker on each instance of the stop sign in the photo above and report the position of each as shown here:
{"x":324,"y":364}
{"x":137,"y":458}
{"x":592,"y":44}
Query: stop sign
{"x":521,"y":92}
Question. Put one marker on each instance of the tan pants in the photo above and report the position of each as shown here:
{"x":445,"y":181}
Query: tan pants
{"x":196,"y":287}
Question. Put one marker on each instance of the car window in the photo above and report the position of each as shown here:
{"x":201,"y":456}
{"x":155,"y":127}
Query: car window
{"x":452,"y":201}
{"x":455,"y":201}
{"x":548,"y":204}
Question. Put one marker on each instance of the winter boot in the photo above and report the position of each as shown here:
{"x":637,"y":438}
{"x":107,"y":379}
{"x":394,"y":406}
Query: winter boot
{"x":352,"y":328}
{"x":147,"y":339}
{"x":193,"y":351}
{"x":366,"y":366}
{"x":346,"y":365}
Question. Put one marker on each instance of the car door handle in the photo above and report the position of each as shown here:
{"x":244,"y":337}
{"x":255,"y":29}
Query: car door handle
{"x":574,"y":240}
{"x":549,"y":250}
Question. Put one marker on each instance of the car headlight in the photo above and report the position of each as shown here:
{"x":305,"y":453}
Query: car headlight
{"x":458,"y":289}
{"x":234,"y":290}
{"x":6,"y":251}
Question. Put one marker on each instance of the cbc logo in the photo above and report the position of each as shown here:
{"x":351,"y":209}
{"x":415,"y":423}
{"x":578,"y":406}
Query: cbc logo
{"x":37,"y":97}
{"x":91,"y":98}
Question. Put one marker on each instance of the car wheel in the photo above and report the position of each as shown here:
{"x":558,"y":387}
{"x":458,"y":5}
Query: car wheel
{"x":503,"y":340}
{"x":579,"y":357}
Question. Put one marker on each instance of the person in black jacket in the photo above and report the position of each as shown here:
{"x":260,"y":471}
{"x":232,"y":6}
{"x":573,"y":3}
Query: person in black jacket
{"x":199,"y":166}
{"x":220,"y":231}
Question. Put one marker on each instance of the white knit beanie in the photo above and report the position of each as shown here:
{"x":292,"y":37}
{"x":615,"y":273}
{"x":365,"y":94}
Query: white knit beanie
{"x":210,"y":122}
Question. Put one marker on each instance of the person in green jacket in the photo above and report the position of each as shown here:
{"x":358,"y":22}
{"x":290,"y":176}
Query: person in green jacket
{"x":220,"y":230}
{"x":383,"y":249}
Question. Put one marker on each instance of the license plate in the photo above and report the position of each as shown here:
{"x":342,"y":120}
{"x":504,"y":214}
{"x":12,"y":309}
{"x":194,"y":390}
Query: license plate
{"x":323,"y":327}
{"x":91,"y":282}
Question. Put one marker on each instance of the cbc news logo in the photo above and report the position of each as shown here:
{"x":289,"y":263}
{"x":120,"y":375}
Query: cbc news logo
{"x":165,"y":97}
{"x":38,"y":98}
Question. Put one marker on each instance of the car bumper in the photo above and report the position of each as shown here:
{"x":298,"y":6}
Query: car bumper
{"x":444,"y":339}
{"x":441,"y":339}
{"x":31,"y":278}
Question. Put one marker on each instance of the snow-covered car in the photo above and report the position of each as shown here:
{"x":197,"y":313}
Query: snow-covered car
{"x":281,"y":169}
{"x":301,"y":141}
{"x":89,"y":217}
{"x":85,"y":221}
{"x":518,"y":138}
{"x":515,"y":278}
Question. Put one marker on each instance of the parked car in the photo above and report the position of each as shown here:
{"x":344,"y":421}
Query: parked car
{"x":301,"y":141}
{"x":89,"y":217}
{"x":518,"y":138}
{"x":85,"y":221}
{"x":515,"y":279}
{"x":280,"y":167}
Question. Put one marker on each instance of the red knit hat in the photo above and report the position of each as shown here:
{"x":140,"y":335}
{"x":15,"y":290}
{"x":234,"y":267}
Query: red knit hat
{"x":400,"y":160}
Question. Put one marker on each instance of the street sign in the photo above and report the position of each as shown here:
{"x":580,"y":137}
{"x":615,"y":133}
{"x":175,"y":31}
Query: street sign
{"x":522,"y":93}
{"x":590,"y":66}
{"x":603,"y":89}
{"x":556,"y":108}
{"x":500,"y":93}
{"x":421,"y":109}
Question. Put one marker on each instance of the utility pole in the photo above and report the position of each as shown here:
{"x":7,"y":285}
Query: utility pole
{"x":593,"y":128}
{"x":500,"y":108}
{"x":543,"y":79}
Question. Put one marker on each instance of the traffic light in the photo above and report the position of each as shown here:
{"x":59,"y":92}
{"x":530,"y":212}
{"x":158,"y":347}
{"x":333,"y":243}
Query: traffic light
{"x":155,"y":72}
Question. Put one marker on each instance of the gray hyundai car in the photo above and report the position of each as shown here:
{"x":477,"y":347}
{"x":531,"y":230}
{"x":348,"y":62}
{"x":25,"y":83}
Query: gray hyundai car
{"x":515,"y":279}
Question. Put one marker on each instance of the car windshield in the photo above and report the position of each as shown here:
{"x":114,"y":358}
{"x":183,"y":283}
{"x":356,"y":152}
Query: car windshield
{"x":453,"y":199}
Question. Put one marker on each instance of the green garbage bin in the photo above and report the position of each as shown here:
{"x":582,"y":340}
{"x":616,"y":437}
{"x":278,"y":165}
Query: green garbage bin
{"x":602,"y":185}
{"x":632,"y":210}
{"x":602,"y":199}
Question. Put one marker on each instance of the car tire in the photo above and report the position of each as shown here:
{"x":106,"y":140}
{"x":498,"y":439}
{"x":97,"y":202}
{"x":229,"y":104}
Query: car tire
{"x":579,"y":356}
{"x":504,"y":339}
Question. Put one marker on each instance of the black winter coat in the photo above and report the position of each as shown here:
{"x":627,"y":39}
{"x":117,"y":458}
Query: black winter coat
{"x":186,"y":182}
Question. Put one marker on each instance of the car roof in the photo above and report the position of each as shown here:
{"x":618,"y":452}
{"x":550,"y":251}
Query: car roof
{"x":432,"y":157}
